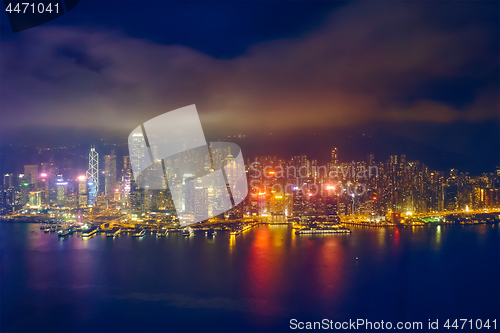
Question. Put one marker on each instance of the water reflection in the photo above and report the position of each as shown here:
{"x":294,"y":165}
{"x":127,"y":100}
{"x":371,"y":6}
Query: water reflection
{"x":438,"y":235}
{"x":255,"y":281}
{"x":381,"y":233}
{"x":396,"y":236}
{"x":232,"y":243}
{"x":330,"y":268}
{"x":262,"y":270}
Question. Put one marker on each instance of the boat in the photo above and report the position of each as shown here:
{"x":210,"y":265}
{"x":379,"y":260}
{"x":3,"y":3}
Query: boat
{"x":161,"y":233}
{"x":140,"y":233}
{"x":241,"y":229}
{"x":43,"y":226}
{"x":64,"y":232}
{"x":113,"y":233}
{"x":89,"y":232}
{"x":210,"y":232}
{"x":323,"y":231}
{"x":187,"y":232}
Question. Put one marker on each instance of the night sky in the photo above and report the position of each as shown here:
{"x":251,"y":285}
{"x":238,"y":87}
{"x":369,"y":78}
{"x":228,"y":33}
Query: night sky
{"x":420,"y":78}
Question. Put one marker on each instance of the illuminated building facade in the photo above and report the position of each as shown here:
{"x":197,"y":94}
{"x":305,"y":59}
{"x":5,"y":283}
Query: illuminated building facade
{"x":93,"y":176}
{"x":110,"y":175}
{"x":31,"y":174}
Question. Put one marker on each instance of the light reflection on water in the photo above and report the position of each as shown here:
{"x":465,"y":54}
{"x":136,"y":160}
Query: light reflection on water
{"x":438,"y":235}
{"x":254,"y":281}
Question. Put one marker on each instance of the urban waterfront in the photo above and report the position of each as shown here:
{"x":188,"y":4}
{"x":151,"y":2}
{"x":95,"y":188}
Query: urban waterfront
{"x":258,"y":280}
{"x":250,"y":166}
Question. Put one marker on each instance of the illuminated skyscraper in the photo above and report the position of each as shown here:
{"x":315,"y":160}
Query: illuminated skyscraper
{"x":200,"y":204}
{"x":61,"y":190}
{"x":137,"y":149}
{"x":35,"y":198}
{"x":24,"y":187}
{"x":335,"y":160}
{"x":82,"y":191}
{"x":189,"y":195}
{"x":92,"y":197}
{"x":93,"y":176}
{"x":8,"y":188}
{"x":298,"y":202}
{"x":136,"y":199}
{"x":125,"y":180}
{"x":394,"y":159}
{"x":110,"y":174}
{"x":31,"y":174}
{"x":8,"y":180}
{"x":126,"y":165}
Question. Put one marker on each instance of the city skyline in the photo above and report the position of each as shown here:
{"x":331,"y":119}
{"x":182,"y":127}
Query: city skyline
{"x":250,"y":166}
{"x":275,"y":186}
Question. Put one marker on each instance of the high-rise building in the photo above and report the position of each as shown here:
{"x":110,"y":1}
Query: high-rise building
{"x":50,"y":168}
{"x":35,"y":198}
{"x":136,"y":199}
{"x":137,"y":149}
{"x":450,"y":194}
{"x":48,"y":179}
{"x":8,"y":189}
{"x":200,"y":203}
{"x":93,"y":176}
{"x":61,"y":186}
{"x":126,"y":164}
{"x":125,"y":180}
{"x":403,"y":160}
{"x":298,"y":203}
{"x":335,"y":160}
{"x":31,"y":174}
{"x":189,"y":195}
{"x":82,"y":191}
{"x":110,"y":175}
{"x":394,"y":159}
{"x":43,"y":186}
{"x":331,"y":203}
{"x":8,"y":180}
{"x":21,"y":196}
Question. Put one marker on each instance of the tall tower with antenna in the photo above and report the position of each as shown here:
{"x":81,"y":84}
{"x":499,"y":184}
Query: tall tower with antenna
{"x":93,"y":175}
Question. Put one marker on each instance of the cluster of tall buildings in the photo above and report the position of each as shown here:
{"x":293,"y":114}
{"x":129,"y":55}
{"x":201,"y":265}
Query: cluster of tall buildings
{"x":48,"y":185}
{"x":192,"y":195}
{"x":301,"y":187}
{"x":282,"y":188}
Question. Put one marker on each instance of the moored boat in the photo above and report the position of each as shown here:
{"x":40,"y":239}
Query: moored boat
{"x":140,"y":233}
{"x":323,"y":231}
{"x":187,"y":232}
{"x":89,"y":232}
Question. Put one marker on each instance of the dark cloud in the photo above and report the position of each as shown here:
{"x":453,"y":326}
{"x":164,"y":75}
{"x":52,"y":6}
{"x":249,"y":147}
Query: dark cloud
{"x":369,"y":62}
{"x":82,"y":58}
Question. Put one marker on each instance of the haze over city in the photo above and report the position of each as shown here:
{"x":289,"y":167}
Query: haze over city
{"x":419,"y":73}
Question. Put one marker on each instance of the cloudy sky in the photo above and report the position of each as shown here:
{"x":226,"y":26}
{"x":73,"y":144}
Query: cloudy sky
{"x":255,"y":67}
